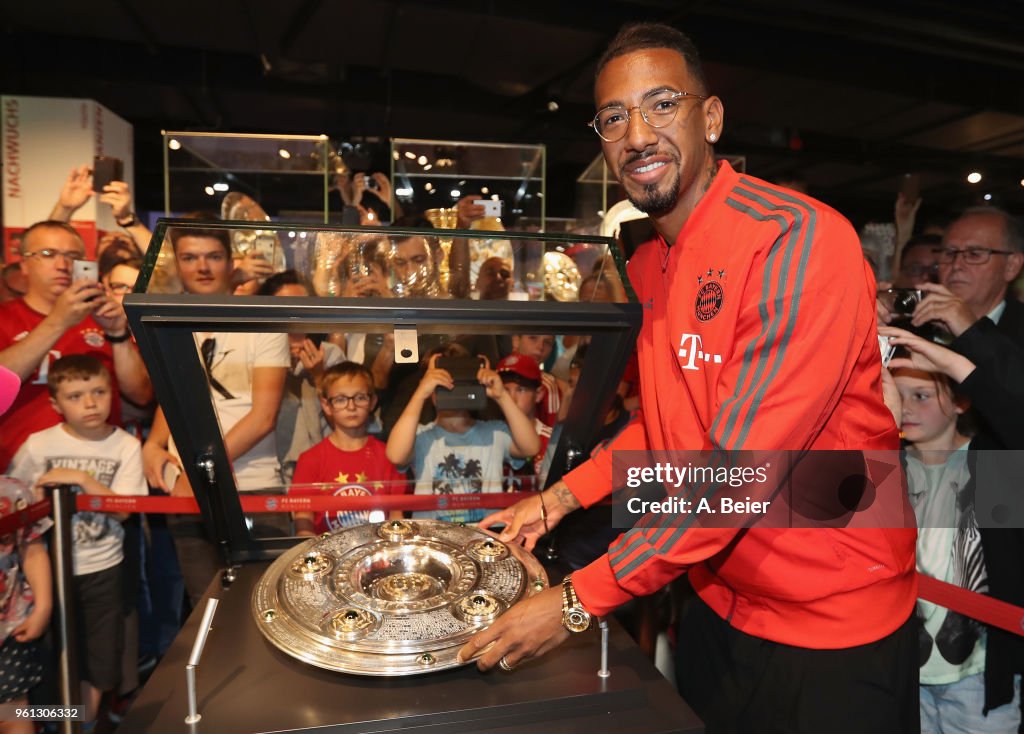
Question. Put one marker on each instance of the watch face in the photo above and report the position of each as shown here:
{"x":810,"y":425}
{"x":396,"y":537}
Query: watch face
{"x":576,"y":620}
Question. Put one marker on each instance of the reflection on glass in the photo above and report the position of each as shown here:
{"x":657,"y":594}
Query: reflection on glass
{"x":416,"y":267}
{"x":377,"y":263}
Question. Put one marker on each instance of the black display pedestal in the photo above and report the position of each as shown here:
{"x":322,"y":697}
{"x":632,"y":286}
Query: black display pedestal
{"x":246,"y":686}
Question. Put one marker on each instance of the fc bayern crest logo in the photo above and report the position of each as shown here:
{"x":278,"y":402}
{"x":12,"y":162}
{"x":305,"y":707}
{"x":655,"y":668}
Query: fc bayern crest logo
{"x":709,"y":300}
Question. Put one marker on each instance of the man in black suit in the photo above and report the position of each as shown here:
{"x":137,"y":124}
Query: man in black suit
{"x":982,"y":253}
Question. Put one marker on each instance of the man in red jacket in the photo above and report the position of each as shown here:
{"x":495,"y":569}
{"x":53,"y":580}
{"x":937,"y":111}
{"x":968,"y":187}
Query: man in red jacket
{"x":758,"y":334}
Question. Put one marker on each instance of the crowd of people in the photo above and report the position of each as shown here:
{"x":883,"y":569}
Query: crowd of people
{"x":337,"y":414}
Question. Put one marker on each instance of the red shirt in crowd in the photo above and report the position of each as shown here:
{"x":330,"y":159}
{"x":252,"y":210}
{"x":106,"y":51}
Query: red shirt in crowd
{"x":31,"y":410}
{"x":359,"y":473}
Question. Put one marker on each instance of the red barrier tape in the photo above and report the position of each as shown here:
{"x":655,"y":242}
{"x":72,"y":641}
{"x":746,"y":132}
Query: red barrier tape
{"x":985,"y":609}
{"x":304,"y":503}
{"x":22,"y":518}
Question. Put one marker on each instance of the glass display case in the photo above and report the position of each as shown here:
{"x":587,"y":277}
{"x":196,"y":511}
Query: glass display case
{"x":389,"y":299}
{"x":384,"y":302}
{"x":284,"y":175}
{"x":596,"y":190}
{"x":432,"y":174}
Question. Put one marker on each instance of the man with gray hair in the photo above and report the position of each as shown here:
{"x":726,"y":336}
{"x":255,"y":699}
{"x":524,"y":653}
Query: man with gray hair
{"x":981,"y":255}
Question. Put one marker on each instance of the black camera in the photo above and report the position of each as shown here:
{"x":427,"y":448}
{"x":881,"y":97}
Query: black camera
{"x":902,"y":301}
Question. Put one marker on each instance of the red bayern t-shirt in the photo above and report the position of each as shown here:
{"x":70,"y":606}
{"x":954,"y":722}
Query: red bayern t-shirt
{"x":31,"y":411}
{"x":359,"y":473}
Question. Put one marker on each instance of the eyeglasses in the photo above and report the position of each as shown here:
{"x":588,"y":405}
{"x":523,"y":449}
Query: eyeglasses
{"x":48,"y":253}
{"x":361,"y":400}
{"x":658,"y":110}
{"x":972,"y":255}
{"x":120,"y":287}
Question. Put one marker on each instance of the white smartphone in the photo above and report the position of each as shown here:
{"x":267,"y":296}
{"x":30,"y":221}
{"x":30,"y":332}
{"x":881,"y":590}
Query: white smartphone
{"x":85,"y":270}
{"x":886,"y":349}
{"x":491,"y":207}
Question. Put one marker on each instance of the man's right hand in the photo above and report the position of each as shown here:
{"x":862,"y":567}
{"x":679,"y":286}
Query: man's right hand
{"x":80,"y":299}
{"x":73,"y":194}
{"x":433,"y":379}
{"x":154,"y":459}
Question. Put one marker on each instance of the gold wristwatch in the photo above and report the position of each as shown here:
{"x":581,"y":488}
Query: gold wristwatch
{"x":574,"y":617}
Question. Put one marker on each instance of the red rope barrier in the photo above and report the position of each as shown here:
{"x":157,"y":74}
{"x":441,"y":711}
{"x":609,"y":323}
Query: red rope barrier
{"x":26,"y":516}
{"x":304,"y":503}
{"x":983,"y":608}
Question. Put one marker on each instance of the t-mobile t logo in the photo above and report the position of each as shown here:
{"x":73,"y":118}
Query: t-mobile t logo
{"x":690,"y":350}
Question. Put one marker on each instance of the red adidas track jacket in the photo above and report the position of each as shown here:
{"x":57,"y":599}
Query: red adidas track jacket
{"x":758,"y":333}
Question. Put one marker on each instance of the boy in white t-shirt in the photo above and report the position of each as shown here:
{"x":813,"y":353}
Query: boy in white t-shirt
{"x":100,"y":459}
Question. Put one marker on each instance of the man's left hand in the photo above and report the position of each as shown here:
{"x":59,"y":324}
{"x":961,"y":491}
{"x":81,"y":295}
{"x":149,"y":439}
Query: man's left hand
{"x":527,"y":630}
{"x":942,"y":305}
{"x":117,"y":195}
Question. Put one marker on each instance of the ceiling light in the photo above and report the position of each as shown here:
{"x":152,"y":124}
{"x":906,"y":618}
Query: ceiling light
{"x":428,"y":166}
{"x":395,"y":154}
{"x":456,"y":193}
{"x":220,"y":186}
{"x":410,"y":155}
{"x":973,"y":177}
{"x":403,"y":192}
{"x":209,"y":191}
{"x":1022,"y":182}
{"x":494,"y":197}
{"x":422,"y":160}
{"x":174,"y":144}
{"x":987,"y":197}
{"x":428,"y":186}
{"x":292,"y":235}
{"x":485,"y":190}
{"x":284,"y":153}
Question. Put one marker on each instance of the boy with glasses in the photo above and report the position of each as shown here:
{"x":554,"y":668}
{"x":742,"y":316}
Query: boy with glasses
{"x":56,"y":317}
{"x":350,"y":460}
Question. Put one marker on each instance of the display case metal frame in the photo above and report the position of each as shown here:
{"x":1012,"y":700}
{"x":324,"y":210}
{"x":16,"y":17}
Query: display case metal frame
{"x":164,"y":324}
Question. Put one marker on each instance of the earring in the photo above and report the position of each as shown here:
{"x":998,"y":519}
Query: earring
{"x":712,"y":137}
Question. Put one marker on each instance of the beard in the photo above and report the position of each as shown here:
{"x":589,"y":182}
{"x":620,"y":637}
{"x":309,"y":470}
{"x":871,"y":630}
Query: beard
{"x":655,"y":202}
{"x":652,"y":200}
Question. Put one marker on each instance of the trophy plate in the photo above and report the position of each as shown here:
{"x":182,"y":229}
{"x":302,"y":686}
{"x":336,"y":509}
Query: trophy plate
{"x":390,"y":599}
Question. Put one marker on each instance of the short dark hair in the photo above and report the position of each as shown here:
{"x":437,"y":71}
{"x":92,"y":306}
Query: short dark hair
{"x":49,"y":224}
{"x":346,"y":369}
{"x":1013,"y":228}
{"x":116,"y":254}
{"x":277,"y":281}
{"x":221,"y":235}
{"x":640,"y":36}
{"x":74,"y":367}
